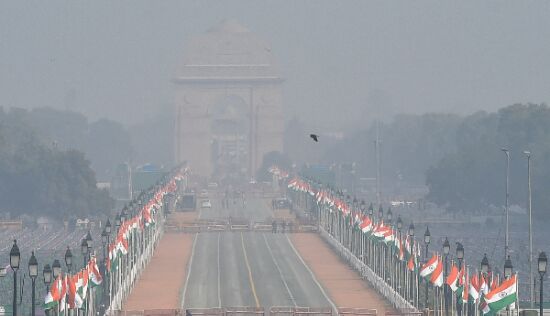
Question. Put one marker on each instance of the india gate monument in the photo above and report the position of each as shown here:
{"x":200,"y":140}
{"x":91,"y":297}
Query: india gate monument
{"x":228,"y":103}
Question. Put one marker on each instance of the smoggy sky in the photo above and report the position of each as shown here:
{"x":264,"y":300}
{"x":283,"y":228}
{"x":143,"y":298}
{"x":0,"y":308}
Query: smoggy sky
{"x":116,"y":58}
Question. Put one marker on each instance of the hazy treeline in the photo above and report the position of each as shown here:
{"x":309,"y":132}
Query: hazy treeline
{"x":472,"y":176}
{"x":38,"y":177}
{"x":459,"y":158}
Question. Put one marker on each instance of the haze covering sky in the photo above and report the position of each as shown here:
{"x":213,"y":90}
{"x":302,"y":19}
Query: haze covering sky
{"x":340,"y":58}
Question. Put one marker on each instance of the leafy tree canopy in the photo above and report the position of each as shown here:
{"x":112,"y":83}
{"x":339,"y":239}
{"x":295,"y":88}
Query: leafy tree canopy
{"x":472,"y":177}
{"x":40,"y":179}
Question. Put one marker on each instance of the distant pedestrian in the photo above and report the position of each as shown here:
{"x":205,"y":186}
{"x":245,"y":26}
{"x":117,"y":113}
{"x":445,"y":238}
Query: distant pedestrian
{"x":274,"y":227}
{"x":283,"y":224}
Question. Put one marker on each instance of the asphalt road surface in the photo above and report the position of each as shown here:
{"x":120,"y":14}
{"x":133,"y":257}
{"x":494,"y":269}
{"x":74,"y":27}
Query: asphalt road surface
{"x":248,"y":268}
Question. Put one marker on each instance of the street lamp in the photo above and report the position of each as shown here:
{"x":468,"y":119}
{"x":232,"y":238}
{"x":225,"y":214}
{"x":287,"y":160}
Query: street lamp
{"x":47,"y":274}
{"x":363,"y":206}
{"x":508,"y":268}
{"x":381,"y":212}
{"x":389,"y":215}
{"x":371,"y":211}
{"x":507,"y":152}
{"x":15,"y":257}
{"x":84,"y":249}
{"x":446,"y":247}
{"x":427,"y":237}
{"x":108,"y":227}
{"x":90,"y":242}
{"x":104,"y":237}
{"x":117,"y":222}
{"x":446,"y":250}
{"x":542,"y":270}
{"x":411,"y":229}
{"x":484,"y":264}
{"x":531,"y":277}
{"x":56,"y":269}
{"x":33,"y":273}
{"x":399,"y":223}
{"x":459,"y":254}
{"x":68,"y":259}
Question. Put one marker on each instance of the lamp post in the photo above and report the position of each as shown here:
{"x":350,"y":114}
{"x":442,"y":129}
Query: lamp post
{"x":459,"y":254}
{"x":508,"y":268}
{"x":484,"y":264}
{"x":89,"y":241}
{"x":460,"y":257}
{"x":117,"y":222}
{"x":84,"y":250}
{"x":411,"y":283}
{"x":507,"y":152}
{"x":380,"y":213}
{"x":507,"y":274}
{"x":68,"y":259}
{"x":33,"y":273}
{"x":47,"y":274}
{"x":427,"y":237}
{"x":56,"y":269}
{"x":446,"y":250}
{"x":15,"y":257}
{"x":542,"y":263}
{"x":531,"y":277}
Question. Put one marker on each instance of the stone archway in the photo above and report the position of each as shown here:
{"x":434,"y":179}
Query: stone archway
{"x":228,"y":94}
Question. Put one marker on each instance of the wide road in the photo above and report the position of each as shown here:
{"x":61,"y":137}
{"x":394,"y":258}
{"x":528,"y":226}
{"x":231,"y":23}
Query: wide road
{"x":248,"y":268}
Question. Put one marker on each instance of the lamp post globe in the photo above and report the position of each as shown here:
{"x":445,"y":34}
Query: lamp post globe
{"x":33,"y":266}
{"x":427,"y":236}
{"x":108,"y":226}
{"x":15,"y":256}
{"x":542,"y":263}
{"x":56,"y":269}
{"x":399,"y":223}
{"x":47,"y":274}
{"x":89,"y":240}
{"x":446,"y":247}
{"x":508,"y":267}
{"x":411,"y":229}
{"x":117,"y":221}
{"x":68,"y":259}
{"x":484,"y":264}
{"x":84,"y":250}
{"x":459,"y":253}
{"x":104,"y":236}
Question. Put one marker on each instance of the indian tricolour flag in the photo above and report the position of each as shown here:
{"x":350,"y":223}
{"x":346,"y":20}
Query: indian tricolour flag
{"x":429,"y":267}
{"x":452,"y":278}
{"x":503,"y":295}
{"x":366,"y":225}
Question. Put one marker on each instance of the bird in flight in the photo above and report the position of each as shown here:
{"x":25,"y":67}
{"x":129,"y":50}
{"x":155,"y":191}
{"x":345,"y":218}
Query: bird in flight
{"x":314,"y":137}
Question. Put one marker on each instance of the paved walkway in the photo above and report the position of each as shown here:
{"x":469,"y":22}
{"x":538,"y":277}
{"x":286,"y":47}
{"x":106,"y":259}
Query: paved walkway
{"x":159,"y":287}
{"x":343,"y":285}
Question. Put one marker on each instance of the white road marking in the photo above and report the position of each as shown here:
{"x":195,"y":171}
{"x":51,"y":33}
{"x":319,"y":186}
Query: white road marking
{"x":335,"y":309}
{"x":280,"y":272}
{"x":219,"y":277}
{"x":189,"y":270}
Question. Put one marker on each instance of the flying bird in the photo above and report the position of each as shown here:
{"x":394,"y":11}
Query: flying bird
{"x":314,"y":137}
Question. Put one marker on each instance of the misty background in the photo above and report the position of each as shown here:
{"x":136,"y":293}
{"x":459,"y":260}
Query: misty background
{"x":340,"y":59}
{"x":441,"y":77}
